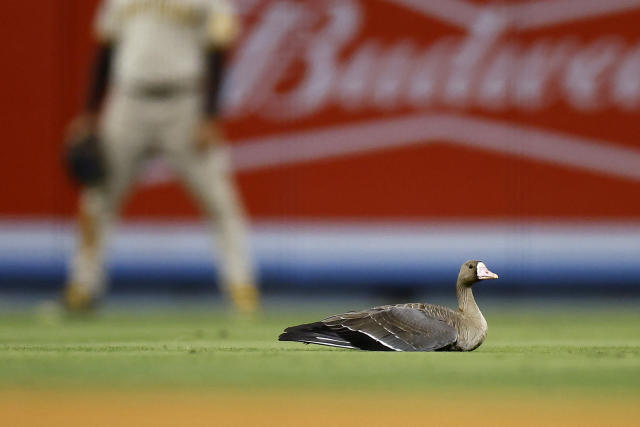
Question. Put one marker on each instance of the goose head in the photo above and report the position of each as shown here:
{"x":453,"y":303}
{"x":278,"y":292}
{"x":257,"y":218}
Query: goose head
{"x":473,"y":271}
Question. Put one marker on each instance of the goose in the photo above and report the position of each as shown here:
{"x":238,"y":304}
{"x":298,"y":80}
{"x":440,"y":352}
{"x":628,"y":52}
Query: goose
{"x":406,"y":327}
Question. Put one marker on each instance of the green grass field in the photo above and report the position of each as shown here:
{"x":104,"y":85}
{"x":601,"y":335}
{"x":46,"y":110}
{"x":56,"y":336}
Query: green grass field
{"x":584,"y":353}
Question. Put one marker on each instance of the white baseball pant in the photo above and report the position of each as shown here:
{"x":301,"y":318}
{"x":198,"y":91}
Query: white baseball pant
{"x":132,"y":127}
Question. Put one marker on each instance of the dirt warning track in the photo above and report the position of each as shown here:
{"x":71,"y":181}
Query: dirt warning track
{"x":289,"y":408}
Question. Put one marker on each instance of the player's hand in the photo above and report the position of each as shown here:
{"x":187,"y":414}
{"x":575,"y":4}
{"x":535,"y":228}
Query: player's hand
{"x":209,"y":133}
{"x":80,"y":127}
{"x":83,"y":155}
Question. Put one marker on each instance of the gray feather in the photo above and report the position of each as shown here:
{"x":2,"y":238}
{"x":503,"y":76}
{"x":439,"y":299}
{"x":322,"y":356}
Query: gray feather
{"x":401,"y":328}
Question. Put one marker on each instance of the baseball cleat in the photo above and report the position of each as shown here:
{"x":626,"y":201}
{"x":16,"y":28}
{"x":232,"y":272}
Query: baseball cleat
{"x":76,"y":299}
{"x":246,"y":298}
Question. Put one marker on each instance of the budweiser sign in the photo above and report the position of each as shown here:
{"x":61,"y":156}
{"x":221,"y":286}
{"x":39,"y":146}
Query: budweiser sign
{"x":299,"y":59}
{"x":480,"y":64}
{"x":536,"y":99}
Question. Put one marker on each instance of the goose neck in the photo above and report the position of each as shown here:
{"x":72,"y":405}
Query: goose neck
{"x":466,"y":301}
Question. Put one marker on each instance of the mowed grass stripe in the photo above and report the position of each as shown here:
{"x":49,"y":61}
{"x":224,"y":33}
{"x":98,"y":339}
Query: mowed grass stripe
{"x":582,"y":351}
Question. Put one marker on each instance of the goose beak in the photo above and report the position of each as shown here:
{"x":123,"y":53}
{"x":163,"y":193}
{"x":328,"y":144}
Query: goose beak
{"x":484,"y":273}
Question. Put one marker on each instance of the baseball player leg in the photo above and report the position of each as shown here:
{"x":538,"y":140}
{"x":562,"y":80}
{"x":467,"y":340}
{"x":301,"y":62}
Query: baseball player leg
{"x":122,"y":140}
{"x":221,"y":200}
{"x":208,"y":177}
{"x":86,"y":280}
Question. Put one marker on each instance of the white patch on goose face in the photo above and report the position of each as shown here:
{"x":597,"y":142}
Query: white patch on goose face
{"x":484,"y":273}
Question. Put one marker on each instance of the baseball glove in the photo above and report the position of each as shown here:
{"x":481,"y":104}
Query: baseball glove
{"x":85,"y":161}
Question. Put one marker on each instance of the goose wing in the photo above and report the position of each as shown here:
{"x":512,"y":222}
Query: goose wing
{"x":400,"y":328}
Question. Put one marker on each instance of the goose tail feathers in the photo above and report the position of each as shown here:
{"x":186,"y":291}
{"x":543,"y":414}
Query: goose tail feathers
{"x":315,"y":333}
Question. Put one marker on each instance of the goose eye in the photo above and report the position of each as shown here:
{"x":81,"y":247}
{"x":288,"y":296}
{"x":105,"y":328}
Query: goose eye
{"x":470,"y":267}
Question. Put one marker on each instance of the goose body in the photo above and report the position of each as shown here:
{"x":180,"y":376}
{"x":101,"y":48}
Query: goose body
{"x":405,"y":327}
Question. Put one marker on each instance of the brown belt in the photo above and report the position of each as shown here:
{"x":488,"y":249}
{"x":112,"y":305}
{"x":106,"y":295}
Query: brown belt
{"x":163,"y":91}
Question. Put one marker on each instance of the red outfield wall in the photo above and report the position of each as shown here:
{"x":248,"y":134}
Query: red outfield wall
{"x":381,"y":109}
